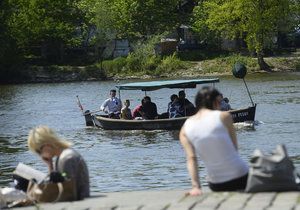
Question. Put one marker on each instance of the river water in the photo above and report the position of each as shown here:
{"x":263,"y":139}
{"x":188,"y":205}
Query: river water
{"x":140,"y":160}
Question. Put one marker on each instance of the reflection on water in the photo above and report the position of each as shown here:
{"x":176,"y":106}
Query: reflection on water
{"x":7,"y":147}
{"x":140,"y":160}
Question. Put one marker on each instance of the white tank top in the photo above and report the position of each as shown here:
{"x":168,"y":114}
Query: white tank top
{"x":213,"y":145}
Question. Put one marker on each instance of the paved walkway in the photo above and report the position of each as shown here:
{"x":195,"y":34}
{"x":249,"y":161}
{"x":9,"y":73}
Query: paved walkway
{"x":176,"y":200}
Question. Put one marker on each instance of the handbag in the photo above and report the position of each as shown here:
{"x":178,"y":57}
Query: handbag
{"x":51,"y":192}
{"x":274,"y":172}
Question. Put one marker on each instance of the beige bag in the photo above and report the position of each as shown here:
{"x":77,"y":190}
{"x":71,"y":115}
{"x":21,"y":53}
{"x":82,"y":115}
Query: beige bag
{"x":52,"y":192}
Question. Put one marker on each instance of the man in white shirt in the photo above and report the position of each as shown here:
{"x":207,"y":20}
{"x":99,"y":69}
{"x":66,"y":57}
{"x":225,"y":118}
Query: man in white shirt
{"x":112,"y":105}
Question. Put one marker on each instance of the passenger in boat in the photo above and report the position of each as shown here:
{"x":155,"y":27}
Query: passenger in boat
{"x":210,"y":135}
{"x":172,"y":97}
{"x":225,"y":106}
{"x":174,"y":108}
{"x":125,"y":111}
{"x":112,"y":105}
{"x":138,"y":112}
{"x":43,"y":141}
{"x":150,"y":109}
{"x":186,"y":105}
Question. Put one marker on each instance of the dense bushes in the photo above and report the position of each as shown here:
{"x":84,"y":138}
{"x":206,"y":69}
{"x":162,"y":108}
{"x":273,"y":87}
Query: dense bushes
{"x":152,"y":65}
{"x":143,"y":60}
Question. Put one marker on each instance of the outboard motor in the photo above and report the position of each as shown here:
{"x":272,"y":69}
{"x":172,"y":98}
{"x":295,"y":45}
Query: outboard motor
{"x":88,"y":118}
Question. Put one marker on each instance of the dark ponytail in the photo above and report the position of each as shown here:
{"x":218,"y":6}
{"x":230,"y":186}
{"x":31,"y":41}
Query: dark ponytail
{"x":205,"y":97}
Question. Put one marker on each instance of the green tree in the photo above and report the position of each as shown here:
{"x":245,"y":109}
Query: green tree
{"x":51,"y":24}
{"x":136,"y":18}
{"x":10,"y":55}
{"x":154,"y":16}
{"x":257,"y":20}
{"x":199,"y":26}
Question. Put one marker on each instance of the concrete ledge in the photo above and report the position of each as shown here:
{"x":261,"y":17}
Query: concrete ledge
{"x":176,"y":200}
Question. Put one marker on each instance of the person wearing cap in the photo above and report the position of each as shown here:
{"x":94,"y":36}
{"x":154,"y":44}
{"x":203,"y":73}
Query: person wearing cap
{"x":112,"y":105}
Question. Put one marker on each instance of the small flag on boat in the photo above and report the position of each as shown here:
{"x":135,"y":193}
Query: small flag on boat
{"x":79,"y":104}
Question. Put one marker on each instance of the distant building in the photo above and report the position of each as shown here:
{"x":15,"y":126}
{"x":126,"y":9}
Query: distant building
{"x":121,"y":48}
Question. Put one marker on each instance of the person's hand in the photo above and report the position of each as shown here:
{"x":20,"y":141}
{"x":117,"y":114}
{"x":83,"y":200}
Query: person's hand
{"x":49,"y":163}
{"x":194,"y":191}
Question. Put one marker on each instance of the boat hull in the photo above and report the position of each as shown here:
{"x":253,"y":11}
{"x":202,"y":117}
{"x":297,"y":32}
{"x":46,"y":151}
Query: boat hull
{"x":243,"y":115}
{"x":240,"y":115}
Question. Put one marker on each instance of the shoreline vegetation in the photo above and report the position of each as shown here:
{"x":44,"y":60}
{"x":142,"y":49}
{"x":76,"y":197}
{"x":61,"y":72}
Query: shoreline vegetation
{"x":41,"y":42}
{"x":153,"y":67}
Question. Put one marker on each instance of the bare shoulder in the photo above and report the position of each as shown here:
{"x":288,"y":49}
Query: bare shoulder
{"x":182,"y":131}
{"x":182,"y":135}
{"x":226,"y":118}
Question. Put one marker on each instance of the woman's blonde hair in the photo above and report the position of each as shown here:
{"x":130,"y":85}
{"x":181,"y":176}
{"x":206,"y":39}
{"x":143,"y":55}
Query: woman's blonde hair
{"x":42,"y":135}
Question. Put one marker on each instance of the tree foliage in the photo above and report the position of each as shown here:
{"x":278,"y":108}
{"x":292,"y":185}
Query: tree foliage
{"x":257,"y":20}
{"x":9,"y":52}
{"x":36,"y":21}
{"x":200,"y":26}
{"x":136,"y":18}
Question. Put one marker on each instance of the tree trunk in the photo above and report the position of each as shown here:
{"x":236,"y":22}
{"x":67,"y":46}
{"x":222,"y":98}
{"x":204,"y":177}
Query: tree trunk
{"x":261,"y":40}
{"x":261,"y":62}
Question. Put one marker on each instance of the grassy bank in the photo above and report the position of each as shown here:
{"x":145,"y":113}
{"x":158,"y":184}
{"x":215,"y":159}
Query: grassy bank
{"x":172,"y":66}
{"x":152,"y":67}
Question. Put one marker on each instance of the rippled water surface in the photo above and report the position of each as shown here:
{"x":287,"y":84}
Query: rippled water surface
{"x":140,"y":160}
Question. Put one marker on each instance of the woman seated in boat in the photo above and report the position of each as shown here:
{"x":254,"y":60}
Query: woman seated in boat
{"x":210,"y":135}
{"x":125,"y":111}
{"x":174,"y":107}
{"x":149,"y":109}
{"x":43,"y":141}
{"x":138,"y":112}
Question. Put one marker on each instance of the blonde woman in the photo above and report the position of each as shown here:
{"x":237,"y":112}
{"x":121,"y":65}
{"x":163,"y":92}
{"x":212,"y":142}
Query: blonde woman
{"x":125,"y":111}
{"x":43,"y":141}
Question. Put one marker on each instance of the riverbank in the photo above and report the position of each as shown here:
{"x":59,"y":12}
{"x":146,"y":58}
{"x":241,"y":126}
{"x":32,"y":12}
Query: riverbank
{"x":176,"y":199}
{"x":173,"y":68}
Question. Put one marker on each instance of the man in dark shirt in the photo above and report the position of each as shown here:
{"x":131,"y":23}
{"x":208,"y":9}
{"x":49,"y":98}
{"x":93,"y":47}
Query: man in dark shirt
{"x":186,"y":105}
{"x":149,"y":109}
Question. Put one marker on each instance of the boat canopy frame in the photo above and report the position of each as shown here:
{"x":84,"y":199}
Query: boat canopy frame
{"x":156,"y":85}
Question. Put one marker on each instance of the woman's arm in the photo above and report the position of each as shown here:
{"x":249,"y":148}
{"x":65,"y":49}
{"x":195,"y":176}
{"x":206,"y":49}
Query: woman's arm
{"x":228,"y":122}
{"x":191,"y":163}
{"x":49,"y":163}
{"x":69,"y":166}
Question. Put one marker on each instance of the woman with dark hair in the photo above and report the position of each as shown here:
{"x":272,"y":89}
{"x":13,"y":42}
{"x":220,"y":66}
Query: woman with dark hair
{"x":210,"y":135}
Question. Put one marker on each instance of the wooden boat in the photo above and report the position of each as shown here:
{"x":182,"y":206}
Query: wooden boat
{"x":102,"y":121}
{"x":240,"y":115}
